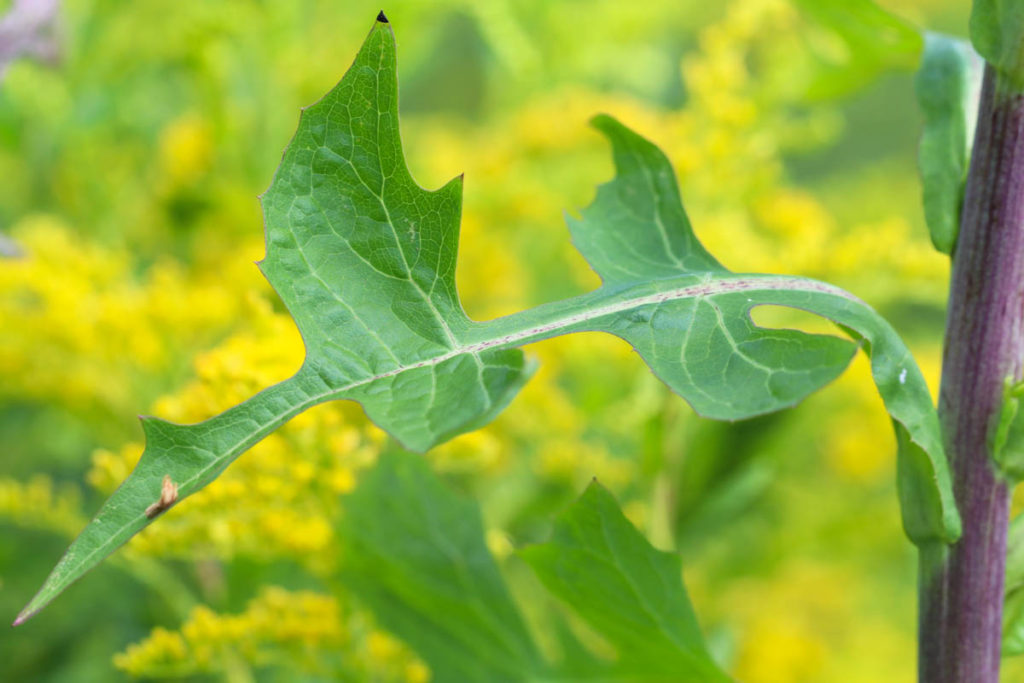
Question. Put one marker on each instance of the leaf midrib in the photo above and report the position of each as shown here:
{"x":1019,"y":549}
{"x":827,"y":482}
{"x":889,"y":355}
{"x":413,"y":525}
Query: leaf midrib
{"x":711,"y":284}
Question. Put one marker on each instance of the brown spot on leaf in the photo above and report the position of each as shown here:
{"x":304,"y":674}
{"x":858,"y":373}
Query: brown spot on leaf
{"x":168,"y":494}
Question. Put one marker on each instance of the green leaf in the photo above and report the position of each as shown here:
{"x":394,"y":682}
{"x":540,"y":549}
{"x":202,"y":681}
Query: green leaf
{"x":1006,"y":441}
{"x":629,"y":592}
{"x":1013,"y":624}
{"x":997,"y":31}
{"x":947,"y":92}
{"x":364,"y":259}
{"x":1013,"y":608}
{"x":1014,"y":578}
{"x":863,"y":41}
{"x":415,"y":554}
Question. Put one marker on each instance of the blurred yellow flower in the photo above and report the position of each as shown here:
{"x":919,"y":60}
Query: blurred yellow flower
{"x":38,"y":504}
{"x":276,"y":623}
{"x":186,"y":147}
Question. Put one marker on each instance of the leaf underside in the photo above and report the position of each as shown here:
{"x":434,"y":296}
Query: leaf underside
{"x":364,"y":260}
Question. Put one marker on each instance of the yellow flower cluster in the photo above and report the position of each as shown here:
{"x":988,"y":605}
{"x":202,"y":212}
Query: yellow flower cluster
{"x":186,"y":149}
{"x":276,"y":623}
{"x":81,"y":329}
{"x":799,"y":626}
{"x":298,"y":630}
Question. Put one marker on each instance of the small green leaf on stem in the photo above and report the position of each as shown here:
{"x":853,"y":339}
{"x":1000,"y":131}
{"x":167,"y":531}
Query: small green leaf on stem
{"x":997,"y":31}
{"x":947,"y":87}
{"x":1006,"y":441}
{"x":1013,"y":608}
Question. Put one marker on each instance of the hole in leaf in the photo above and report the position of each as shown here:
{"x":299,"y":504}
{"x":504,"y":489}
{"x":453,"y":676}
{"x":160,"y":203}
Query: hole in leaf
{"x":786,"y":318}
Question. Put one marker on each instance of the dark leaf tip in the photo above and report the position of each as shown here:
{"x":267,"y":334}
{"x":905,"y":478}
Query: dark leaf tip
{"x":382,"y":18}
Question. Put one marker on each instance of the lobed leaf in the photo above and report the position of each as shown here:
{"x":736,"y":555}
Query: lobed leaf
{"x":364,"y":260}
{"x":947,"y":87}
{"x":628,"y":591}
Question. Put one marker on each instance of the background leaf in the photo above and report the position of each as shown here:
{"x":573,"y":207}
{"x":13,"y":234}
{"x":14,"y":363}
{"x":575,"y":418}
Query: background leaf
{"x":415,"y":553}
{"x":628,"y":591}
{"x":863,"y":40}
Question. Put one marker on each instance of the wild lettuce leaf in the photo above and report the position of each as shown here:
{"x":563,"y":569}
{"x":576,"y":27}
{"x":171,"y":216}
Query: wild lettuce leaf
{"x":364,"y":260}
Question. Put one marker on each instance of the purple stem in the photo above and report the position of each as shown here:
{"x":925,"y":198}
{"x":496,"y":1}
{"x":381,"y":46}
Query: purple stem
{"x":962,"y":586}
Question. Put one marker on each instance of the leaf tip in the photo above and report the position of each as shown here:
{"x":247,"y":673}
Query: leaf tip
{"x":24,"y":616}
{"x":595,"y":488}
{"x":382,"y":18}
{"x":150,"y":424}
{"x":602,"y":121}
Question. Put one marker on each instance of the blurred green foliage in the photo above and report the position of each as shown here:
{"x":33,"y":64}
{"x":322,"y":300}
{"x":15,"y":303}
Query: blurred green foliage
{"x":131,"y":168}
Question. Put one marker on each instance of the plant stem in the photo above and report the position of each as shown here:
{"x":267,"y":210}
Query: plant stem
{"x":962,"y":586}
